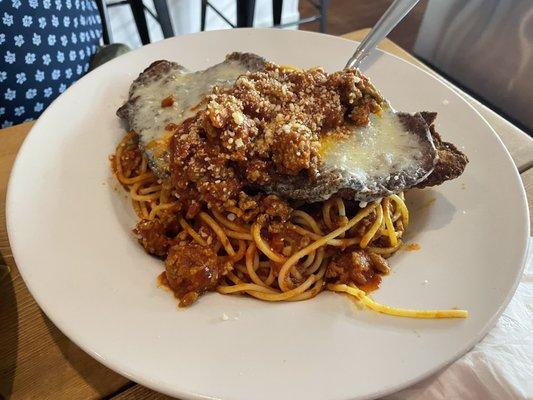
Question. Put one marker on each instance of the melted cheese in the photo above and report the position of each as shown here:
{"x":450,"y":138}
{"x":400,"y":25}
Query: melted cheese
{"x":187,"y":88}
{"x":383,"y":147}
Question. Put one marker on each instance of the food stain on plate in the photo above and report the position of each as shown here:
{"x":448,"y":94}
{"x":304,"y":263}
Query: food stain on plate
{"x":411,"y":246}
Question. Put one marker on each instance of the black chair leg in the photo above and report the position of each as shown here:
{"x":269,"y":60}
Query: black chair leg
{"x":277,"y":8}
{"x":137,"y":9}
{"x":163,"y":17}
{"x":204,"y":12}
{"x":245,"y":13}
{"x":106,"y":25}
{"x":324,"y":15}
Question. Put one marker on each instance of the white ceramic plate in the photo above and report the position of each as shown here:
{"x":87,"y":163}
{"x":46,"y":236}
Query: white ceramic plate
{"x":70,"y":233}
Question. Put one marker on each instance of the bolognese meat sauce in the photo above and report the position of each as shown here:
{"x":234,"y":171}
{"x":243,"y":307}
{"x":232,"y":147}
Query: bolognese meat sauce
{"x":356,"y":266}
{"x":267,"y":124}
{"x":192,"y":269}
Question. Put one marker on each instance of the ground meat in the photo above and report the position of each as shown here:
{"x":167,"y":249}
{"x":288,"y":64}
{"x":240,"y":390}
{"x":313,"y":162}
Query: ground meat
{"x":275,"y":207}
{"x":360,"y":114}
{"x":285,"y":240}
{"x":268,"y":124}
{"x":192,"y":269}
{"x":379,"y":263}
{"x":167,"y":101}
{"x":271,"y":206}
{"x":363,"y":226}
{"x":257,"y":172}
{"x":292,"y":151}
{"x":130,"y":159}
{"x":158,"y":235}
{"x":356,"y":266}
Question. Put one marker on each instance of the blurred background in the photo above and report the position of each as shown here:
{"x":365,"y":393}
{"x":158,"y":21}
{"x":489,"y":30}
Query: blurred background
{"x":483,"y":46}
{"x":342,"y":16}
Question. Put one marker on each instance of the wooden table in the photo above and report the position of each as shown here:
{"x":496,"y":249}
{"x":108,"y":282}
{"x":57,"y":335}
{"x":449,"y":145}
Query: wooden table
{"x":38,"y":361}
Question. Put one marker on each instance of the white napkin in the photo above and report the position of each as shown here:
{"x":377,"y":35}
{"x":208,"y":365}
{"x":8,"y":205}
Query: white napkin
{"x":500,"y":366}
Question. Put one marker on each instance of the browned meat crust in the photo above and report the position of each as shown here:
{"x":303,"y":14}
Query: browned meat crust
{"x":450,"y":163}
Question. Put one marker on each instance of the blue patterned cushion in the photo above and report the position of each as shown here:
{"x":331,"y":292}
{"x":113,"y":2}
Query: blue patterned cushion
{"x":45,"y":46}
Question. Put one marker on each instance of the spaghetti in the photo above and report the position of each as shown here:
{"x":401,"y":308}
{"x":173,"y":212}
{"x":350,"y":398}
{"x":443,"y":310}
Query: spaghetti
{"x":291,"y":261}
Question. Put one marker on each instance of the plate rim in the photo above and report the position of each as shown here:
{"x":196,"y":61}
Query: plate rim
{"x":161,"y":386}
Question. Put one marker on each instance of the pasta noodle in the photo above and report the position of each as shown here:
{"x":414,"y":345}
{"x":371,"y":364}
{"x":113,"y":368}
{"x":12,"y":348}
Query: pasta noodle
{"x":294,"y":271}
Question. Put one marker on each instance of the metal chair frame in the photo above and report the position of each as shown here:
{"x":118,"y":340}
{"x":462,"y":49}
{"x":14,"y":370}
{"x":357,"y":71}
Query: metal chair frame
{"x":138,"y":9}
{"x":245,"y":14}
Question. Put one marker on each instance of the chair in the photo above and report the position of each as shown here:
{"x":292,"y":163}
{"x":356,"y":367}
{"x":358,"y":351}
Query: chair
{"x":161,"y":15}
{"x":245,"y":14}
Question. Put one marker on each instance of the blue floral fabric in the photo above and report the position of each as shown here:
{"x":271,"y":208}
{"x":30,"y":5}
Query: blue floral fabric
{"x":45,"y":46}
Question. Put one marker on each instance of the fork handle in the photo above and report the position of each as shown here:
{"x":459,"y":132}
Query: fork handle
{"x":392,"y":17}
